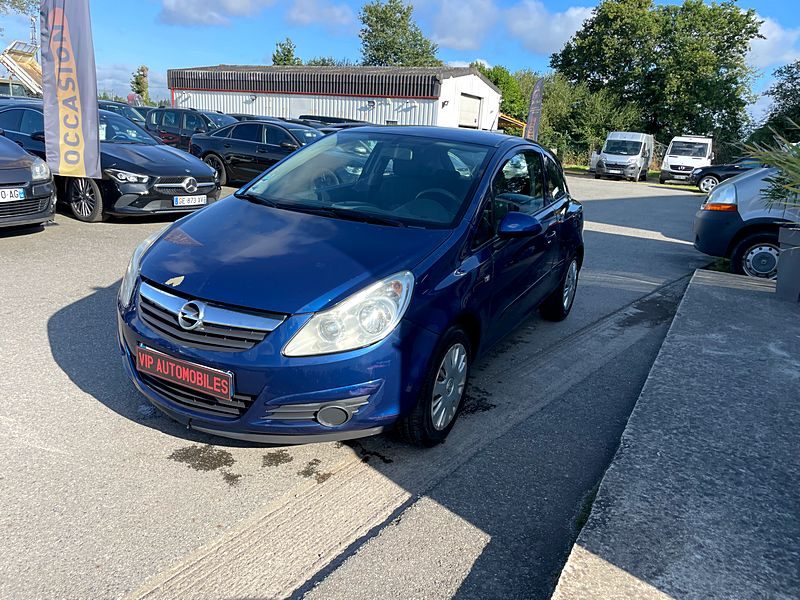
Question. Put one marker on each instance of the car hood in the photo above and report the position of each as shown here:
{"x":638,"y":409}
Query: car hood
{"x":617,"y":158}
{"x":156,"y":160}
{"x":244,"y":254}
{"x":12,"y":156}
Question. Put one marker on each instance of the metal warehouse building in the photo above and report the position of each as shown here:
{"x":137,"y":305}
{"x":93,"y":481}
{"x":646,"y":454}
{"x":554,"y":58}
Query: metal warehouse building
{"x":445,"y":96}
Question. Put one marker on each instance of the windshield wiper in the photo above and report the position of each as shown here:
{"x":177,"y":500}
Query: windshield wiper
{"x":344,"y":213}
{"x":254,"y":199}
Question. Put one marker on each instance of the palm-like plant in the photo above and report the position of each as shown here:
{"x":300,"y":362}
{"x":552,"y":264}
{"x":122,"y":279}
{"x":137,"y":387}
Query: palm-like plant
{"x":783,"y":155}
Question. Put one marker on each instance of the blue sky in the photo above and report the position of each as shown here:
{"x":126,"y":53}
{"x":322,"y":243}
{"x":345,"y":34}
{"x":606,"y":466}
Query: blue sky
{"x":515,"y":33}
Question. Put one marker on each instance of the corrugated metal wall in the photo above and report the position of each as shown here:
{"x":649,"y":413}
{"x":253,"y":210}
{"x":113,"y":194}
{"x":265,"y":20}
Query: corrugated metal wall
{"x":378,"y":110}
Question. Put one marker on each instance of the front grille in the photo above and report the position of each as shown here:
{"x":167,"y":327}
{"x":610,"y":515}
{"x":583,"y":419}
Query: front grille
{"x":222,"y":329}
{"x":202,"y":188}
{"x":19,"y":208}
{"x":180,"y":179}
{"x":682,"y":168}
{"x":234,"y":408}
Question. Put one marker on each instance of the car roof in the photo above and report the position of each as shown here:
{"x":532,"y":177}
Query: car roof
{"x":449,"y":134}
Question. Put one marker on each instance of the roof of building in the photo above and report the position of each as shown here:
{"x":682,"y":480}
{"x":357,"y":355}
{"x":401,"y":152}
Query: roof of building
{"x":392,"y":82}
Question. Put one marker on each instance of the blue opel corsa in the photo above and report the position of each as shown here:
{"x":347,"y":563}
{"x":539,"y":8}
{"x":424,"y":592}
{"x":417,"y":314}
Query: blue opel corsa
{"x":351,"y":286}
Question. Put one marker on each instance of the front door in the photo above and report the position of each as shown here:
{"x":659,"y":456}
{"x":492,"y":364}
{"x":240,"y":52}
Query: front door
{"x":192,"y":123}
{"x":169,"y":128}
{"x":241,"y":150}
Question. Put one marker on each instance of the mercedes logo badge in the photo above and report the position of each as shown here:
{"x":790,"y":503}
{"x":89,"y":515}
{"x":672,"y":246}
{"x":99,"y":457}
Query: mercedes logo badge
{"x":190,"y":316}
{"x":190,"y":185}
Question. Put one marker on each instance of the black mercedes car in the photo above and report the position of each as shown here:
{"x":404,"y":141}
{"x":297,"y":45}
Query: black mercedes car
{"x":126,"y":110}
{"x":27,"y":192}
{"x":241,"y":151}
{"x":707,"y":178}
{"x":140,"y":174}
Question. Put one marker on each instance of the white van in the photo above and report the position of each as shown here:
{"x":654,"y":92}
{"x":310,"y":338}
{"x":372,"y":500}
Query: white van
{"x":685,"y":154}
{"x":625,"y":154}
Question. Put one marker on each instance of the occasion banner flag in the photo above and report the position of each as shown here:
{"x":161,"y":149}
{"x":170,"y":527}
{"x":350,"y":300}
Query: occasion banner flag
{"x":535,"y":112}
{"x":69,"y":80}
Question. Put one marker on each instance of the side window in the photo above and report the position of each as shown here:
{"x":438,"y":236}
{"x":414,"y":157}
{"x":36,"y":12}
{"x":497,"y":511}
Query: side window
{"x":556,"y":187}
{"x":247,"y":132}
{"x":32,"y":122}
{"x":154,"y":117}
{"x":276,"y":136}
{"x":193,"y":122}
{"x":9,"y":119}
{"x":171,"y":118}
{"x":518,"y":186}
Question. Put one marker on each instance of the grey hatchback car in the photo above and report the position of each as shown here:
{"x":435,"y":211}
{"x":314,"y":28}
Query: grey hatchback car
{"x":738,"y":222}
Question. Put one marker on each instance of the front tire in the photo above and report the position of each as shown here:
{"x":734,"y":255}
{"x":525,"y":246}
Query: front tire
{"x":707,"y":183}
{"x":85,"y":200}
{"x":757,"y":256}
{"x":442,"y":395}
{"x":558,"y":304}
{"x":216,"y":163}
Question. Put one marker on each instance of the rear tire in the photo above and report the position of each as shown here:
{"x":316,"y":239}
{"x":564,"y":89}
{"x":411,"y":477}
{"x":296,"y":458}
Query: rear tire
{"x":85,"y":200}
{"x":558,"y":304}
{"x":442,"y":393}
{"x":707,"y":184}
{"x":597,"y":176}
{"x":757,"y":256}
{"x":661,"y":180}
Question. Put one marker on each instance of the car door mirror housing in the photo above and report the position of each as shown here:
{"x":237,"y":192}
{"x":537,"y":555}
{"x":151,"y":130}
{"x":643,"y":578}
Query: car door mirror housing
{"x":37,"y":136}
{"x":289,"y":146}
{"x":199,"y":129}
{"x":517,"y":224}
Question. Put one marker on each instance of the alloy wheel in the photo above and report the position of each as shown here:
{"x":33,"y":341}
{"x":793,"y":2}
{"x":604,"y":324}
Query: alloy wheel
{"x":83,"y":198}
{"x":216,"y":164}
{"x":762,"y":261}
{"x":570,"y":284}
{"x":448,"y":389}
{"x":707,"y":184}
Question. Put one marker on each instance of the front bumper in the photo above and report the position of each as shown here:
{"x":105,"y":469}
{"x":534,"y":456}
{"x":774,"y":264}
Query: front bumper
{"x":617,"y":170}
{"x":283,"y":395}
{"x":140,"y":199}
{"x":670,"y":174}
{"x":714,"y":231}
{"x":38,"y":207}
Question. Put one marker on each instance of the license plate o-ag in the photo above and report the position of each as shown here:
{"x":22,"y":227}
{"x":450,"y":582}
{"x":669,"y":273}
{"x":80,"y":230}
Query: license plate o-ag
{"x":196,"y":200}
{"x":12,"y":194}
{"x":199,"y":378}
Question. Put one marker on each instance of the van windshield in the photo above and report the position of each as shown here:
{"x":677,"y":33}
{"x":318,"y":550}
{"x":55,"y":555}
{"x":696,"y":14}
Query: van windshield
{"x":623,"y":147}
{"x":693,"y":149}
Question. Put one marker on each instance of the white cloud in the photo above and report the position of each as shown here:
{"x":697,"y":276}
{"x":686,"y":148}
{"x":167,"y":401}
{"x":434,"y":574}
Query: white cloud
{"x":322,"y":12}
{"x":779,"y":46}
{"x":759,"y":109}
{"x":465,"y":63}
{"x":462,"y":24}
{"x":208,"y":12}
{"x":542,"y":31}
{"x":116,"y":79}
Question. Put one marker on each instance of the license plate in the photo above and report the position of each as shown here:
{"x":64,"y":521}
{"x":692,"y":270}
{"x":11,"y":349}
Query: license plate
{"x":189,"y":200}
{"x":615,"y":171}
{"x":11,"y":194}
{"x":213,"y":382}
{"x":681,"y":177}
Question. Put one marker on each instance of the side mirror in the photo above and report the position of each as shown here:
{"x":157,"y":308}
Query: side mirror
{"x":199,"y":129}
{"x":289,"y":146}
{"x":38,"y":136}
{"x":517,"y":224}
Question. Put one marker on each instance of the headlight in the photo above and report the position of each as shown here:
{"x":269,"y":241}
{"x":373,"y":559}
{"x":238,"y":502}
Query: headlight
{"x":696,"y":172}
{"x":362,"y":319}
{"x":722,"y":198}
{"x":632,"y":160}
{"x":126,"y":177}
{"x":132,"y":272}
{"x":39,"y":170}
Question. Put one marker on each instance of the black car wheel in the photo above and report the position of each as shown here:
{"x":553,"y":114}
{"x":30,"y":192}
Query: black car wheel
{"x":559,"y":303}
{"x":708,"y":183}
{"x":216,"y":163}
{"x":442,"y":395}
{"x":661,"y":180}
{"x":85,"y":200}
{"x":643,"y":174}
{"x":757,"y":256}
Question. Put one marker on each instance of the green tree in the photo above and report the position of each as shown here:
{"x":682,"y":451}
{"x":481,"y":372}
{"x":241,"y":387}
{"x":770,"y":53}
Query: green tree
{"x":682,"y":66}
{"x":25,"y":7}
{"x":390,"y":37}
{"x":512,"y":103}
{"x":140,"y":83}
{"x":329,"y":61}
{"x":284,"y":54}
{"x":785,"y":110}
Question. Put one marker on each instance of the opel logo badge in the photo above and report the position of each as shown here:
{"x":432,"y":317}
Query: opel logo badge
{"x":190,"y":316}
{"x":190,"y":185}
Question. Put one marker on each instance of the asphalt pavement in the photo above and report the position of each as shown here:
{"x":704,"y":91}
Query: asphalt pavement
{"x":105,"y":498}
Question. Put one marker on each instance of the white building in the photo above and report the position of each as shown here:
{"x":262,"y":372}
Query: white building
{"x":445,"y":96}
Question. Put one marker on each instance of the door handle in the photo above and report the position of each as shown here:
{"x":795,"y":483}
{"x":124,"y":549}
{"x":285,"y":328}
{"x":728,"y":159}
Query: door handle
{"x":226,"y":145}
{"x":261,"y":150}
{"x":550,"y":236}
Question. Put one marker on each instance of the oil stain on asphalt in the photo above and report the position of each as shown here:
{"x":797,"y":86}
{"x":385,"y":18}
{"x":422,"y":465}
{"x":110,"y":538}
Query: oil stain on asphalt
{"x":366,"y":454}
{"x":276,"y":458}
{"x":203,"y":458}
{"x":477,"y":401}
{"x":312,"y":470}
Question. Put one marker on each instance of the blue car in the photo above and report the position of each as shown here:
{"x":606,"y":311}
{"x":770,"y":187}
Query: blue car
{"x":350,"y":287}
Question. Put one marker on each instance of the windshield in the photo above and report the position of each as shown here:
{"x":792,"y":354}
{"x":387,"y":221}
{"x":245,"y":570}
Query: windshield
{"x":306,"y":135}
{"x":220,"y":120}
{"x":115,"y":129}
{"x":623,"y":147}
{"x":693,"y":149}
{"x":132,"y":113}
{"x":399,"y":179}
